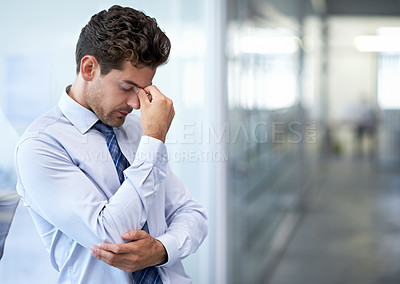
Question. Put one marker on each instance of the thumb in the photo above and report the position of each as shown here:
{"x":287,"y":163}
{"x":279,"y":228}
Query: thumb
{"x":142,"y":98}
{"x":134,"y":235}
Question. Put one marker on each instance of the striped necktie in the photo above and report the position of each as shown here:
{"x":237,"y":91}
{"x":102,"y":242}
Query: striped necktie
{"x":148,"y":274}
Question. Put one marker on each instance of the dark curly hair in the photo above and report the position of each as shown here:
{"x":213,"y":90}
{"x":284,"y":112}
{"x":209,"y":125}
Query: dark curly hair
{"x":122,"y":34}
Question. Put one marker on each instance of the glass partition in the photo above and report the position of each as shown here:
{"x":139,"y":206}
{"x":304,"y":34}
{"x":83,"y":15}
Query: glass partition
{"x":271,"y":129}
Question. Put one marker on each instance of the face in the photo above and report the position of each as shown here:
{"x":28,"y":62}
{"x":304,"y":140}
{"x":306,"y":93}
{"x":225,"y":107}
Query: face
{"x":113,"y":96}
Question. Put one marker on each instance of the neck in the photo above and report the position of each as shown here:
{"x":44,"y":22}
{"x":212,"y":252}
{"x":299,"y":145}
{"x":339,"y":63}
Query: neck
{"x":78,"y":92}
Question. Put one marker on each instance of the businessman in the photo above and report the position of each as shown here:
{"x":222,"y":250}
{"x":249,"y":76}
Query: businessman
{"x":95,"y":179}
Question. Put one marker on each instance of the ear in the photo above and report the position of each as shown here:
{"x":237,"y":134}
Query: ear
{"x":89,"y":67}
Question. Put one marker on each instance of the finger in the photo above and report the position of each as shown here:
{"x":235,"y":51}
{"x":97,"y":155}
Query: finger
{"x":142,"y":95}
{"x":102,"y":255}
{"x":151,"y":88}
{"x":109,"y":247}
{"x":154,"y":92}
{"x":115,"y":248}
{"x":109,"y":259}
{"x":134,"y":235}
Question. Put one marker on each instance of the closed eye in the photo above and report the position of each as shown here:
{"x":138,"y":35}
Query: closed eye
{"x":126,"y":90}
{"x":133,"y":89}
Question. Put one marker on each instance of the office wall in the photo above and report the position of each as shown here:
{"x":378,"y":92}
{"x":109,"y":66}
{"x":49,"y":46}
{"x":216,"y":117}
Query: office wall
{"x":352,"y":75}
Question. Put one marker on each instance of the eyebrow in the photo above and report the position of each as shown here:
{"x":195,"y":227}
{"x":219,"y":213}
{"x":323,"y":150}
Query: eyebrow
{"x":136,"y":85}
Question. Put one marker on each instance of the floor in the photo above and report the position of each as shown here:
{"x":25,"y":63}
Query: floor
{"x":351,"y":232}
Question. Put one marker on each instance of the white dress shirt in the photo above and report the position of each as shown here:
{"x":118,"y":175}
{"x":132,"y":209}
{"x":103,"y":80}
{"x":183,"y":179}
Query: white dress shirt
{"x":68,"y":182}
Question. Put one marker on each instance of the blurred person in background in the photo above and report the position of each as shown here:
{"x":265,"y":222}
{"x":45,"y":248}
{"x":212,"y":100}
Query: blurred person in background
{"x":96,"y":180}
{"x":365,"y":129}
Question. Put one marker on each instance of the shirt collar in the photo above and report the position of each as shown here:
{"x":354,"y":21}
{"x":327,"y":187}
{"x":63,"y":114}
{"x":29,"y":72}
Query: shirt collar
{"x":82,"y":118}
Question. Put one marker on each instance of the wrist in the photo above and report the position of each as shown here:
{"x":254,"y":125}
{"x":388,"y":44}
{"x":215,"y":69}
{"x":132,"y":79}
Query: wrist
{"x":156,"y":136}
{"x":162,"y":253}
{"x":157,"y":131}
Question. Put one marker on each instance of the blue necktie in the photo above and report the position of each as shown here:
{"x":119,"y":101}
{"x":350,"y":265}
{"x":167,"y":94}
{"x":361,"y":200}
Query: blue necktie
{"x":148,"y":274}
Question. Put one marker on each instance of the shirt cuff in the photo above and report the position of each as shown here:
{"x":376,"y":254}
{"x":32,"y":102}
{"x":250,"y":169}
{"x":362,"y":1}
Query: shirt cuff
{"x":171,"y":246}
{"x":154,"y":151}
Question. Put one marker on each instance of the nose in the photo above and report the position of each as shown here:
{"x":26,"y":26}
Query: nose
{"x":133,"y":101}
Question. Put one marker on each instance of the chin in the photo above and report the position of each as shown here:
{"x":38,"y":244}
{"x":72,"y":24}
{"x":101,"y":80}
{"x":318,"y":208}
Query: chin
{"x":113,"y":120}
{"x":118,"y":122}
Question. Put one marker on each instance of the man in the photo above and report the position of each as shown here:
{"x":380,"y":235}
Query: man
{"x":90,"y":174}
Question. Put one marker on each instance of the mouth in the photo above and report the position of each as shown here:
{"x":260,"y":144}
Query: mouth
{"x":122,"y":113}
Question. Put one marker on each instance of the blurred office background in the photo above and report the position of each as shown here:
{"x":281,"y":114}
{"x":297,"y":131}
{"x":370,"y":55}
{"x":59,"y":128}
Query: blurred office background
{"x":287,"y":129}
